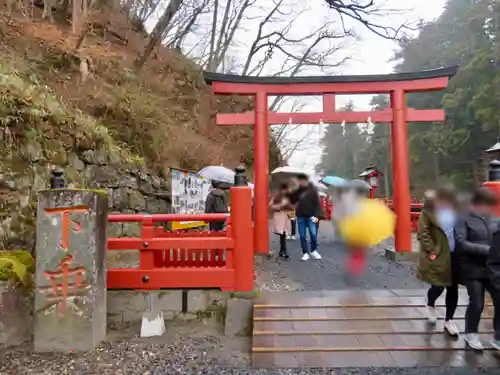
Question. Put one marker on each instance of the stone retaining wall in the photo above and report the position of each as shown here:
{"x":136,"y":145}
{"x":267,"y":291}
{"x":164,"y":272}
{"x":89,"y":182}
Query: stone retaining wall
{"x":127,"y":306}
{"x":234,"y":310}
{"x":132,"y":188}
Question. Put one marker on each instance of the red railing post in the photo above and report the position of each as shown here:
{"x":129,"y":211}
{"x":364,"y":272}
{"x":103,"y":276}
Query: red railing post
{"x":242,"y":232}
{"x":147,"y":257}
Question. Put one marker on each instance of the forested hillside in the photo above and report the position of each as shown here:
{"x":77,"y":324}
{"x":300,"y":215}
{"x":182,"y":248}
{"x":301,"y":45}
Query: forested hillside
{"x":466,"y":34}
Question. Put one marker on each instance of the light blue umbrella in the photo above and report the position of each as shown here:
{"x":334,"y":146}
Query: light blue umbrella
{"x":334,"y":181}
{"x":359,"y":184}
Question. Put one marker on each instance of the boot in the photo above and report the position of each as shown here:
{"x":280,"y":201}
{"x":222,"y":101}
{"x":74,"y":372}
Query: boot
{"x":284,"y":255}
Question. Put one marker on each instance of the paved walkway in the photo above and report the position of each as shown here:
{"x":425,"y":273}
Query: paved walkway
{"x":329,"y":273}
{"x":361,"y":328}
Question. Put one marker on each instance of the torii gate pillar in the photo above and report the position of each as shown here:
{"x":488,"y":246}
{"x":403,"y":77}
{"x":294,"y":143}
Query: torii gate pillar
{"x":401,"y":175}
{"x":397,"y":85}
{"x":261,"y":168}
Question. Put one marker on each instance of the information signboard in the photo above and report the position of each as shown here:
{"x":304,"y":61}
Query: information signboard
{"x":189,"y":192}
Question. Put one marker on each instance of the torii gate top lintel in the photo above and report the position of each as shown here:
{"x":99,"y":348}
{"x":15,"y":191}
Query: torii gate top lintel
{"x":427,"y":80}
{"x":328,"y":86}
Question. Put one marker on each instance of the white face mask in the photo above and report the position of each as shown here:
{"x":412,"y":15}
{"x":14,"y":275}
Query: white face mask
{"x":445,"y":217}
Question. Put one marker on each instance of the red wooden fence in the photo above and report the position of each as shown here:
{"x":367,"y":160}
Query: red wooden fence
{"x":223,"y":260}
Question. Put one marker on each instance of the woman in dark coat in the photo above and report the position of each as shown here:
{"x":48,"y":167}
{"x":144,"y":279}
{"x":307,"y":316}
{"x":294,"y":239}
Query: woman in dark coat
{"x":474,"y":232}
{"x":436,"y":259}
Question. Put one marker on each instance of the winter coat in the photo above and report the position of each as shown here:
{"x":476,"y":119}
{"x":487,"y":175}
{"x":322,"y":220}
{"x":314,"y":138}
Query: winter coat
{"x":473,"y":235}
{"x":308,"y":204}
{"x":493,"y":263}
{"x":281,"y":224}
{"x":433,"y":242}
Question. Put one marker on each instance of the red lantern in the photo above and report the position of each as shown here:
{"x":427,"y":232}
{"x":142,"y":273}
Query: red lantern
{"x":371,"y":176}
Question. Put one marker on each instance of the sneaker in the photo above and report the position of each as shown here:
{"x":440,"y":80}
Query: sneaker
{"x":451,"y":328}
{"x":431,"y":315}
{"x":288,"y":237}
{"x":472,"y":339}
{"x":495,"y":344}
{"x":305,"y":257}
{"x":293,"y":238}
{"x":284,"y":255}
{"x":316,"y":255}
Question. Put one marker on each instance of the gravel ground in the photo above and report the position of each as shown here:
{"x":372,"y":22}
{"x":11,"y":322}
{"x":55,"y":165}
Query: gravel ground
{"x":199,"y":348}
{"x":184,"y":349}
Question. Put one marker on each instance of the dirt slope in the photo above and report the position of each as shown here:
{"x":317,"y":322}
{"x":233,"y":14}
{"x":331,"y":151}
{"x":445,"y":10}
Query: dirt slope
{"x":117,"y":130}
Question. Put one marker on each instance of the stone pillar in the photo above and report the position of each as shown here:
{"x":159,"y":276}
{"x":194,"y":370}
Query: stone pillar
{"x":71,"y":244}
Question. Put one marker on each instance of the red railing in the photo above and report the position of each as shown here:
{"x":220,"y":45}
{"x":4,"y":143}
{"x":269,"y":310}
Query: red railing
{"x":326,"y":205}
{"x":223,"y":260}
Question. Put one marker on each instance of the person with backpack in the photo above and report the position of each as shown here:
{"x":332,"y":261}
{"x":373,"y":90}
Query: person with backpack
{"x":216,"y":203}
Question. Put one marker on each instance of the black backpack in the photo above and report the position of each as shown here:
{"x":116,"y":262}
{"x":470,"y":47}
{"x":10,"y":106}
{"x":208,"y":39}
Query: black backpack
{"x":219,"y":204}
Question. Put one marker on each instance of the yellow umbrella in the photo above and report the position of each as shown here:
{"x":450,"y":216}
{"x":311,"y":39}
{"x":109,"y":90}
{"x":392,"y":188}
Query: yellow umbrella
{"x":371,"y":223}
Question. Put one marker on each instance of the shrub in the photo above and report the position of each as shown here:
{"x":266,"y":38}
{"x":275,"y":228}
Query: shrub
{"x":16,"y":265}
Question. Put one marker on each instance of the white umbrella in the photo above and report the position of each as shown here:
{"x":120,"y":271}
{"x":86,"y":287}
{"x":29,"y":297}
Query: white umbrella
{"x":218,"y":173}
{"x":290,"y":170}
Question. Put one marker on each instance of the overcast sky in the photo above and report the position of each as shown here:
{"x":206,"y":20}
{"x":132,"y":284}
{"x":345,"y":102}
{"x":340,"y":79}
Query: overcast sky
{"x":371,"y":55}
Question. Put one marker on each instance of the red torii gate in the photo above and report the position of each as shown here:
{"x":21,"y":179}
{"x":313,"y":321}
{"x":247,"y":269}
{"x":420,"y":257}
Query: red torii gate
{"x":397,"y":85}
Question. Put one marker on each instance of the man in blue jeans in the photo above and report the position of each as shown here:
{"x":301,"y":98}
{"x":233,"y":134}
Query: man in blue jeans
{"x":308,"y":212}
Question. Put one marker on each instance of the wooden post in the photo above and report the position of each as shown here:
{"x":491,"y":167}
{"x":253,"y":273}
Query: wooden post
{"x":241,"y":219}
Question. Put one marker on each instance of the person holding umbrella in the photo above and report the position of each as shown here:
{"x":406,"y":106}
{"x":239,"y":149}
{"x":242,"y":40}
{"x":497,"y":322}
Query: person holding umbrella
{"x":364,"y":223}
{"x":336,"y":187}
{"x":308,"y":211}
{"x":216,"y":203}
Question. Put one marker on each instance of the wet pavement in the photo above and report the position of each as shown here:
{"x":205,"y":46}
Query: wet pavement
{"x":330,"y":272}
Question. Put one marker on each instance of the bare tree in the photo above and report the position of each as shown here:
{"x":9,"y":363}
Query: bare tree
{"x":221,"y":39}
{"x":84,"y":23}
{"x":185,"y":23}
{"x":156,"y":35}
{"x":292,"y":137}
{"x":362,"y":11}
